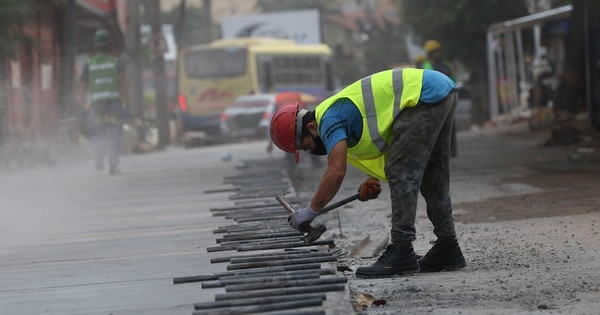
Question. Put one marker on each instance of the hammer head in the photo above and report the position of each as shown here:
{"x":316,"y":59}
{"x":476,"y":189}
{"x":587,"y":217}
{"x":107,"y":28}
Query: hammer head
{"x":312,"y":233}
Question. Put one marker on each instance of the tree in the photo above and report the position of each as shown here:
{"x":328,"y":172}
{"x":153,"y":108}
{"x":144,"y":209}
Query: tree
{"x":190,"y":29}
{"x":286,"y":5}
{"x":461,"y":26}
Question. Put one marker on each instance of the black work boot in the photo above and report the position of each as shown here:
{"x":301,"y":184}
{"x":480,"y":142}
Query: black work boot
{"x":398,"y":259}
{"x":445,"y":255}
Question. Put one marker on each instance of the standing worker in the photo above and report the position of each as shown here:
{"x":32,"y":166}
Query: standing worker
{"x":435,"y":61}
{"x":394,"y":125}
{"x":104,"y":82}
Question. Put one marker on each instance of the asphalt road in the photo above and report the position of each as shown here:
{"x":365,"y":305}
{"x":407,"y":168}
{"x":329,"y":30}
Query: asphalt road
{"x":75,"y":241}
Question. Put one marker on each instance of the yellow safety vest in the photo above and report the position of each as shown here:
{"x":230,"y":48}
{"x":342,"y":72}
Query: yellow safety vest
{"x":379,"y":98}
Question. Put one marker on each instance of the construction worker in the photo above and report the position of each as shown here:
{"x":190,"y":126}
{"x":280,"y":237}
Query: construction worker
{"x":435,"y":61}
{"x":394,"y":125}
{"x":103,"y":79}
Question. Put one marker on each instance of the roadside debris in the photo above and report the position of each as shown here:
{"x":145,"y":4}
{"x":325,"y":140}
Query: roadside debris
{"x":364,"y":300}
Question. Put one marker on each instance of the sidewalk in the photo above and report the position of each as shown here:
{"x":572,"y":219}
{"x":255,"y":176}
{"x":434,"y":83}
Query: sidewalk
{"x":527,"y":219}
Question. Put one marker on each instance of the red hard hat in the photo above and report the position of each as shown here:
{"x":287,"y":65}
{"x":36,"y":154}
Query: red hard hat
{"x":286,"y":129}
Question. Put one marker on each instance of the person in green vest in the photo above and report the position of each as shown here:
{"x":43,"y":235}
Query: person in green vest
{"x":435,"y":61}
{"x":103,"y":79}
{"x":395,"y":126}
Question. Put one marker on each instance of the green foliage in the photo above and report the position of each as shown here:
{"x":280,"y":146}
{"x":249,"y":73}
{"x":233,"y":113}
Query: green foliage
{"x":12,"y":12}
{"x":285,"y":5}
{"x":460,"y":25}
{"x":191,"y":34}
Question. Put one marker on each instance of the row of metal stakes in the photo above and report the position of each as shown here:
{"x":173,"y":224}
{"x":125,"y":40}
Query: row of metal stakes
{"x":288,"y":276}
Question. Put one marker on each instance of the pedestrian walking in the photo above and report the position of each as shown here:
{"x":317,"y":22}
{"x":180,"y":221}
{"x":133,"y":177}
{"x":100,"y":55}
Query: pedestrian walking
{"x":103,"y":79}
{"x":436,"y":61}
{"x":394,"y":125}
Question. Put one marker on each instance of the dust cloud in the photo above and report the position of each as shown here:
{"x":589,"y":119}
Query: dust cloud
{"x":33,"y":208}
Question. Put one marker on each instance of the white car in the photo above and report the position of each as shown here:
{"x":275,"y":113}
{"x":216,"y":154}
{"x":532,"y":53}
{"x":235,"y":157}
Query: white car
{"x":250,"y":115}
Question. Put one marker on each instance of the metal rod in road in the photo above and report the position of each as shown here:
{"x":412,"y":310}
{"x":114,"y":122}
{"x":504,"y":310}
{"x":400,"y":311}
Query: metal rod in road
{"x":278,"y":218}
{"x":288,"y":255}
{"x":225,"y":212}
{"x":271,"y":204}
{"x":281,"y":262}
{"x":322,"y":271}
{"x":284,"y":284}
{"x":249,"y":236}
{"x":266,"y":228}
{"x":216,"y":276}
{"x":221,"y":190}
{"x":265,"y":240}
{"x":233,"y":235}
{"x":222,"y":248}
{"x":253,"y":214}
{"x":261,"y":300}
{"x":245,"y":227}
{"x":232,"y":214}
{"x":253,"y":226}
{"x":280,"y":291}
{"x":266,"y":255}
{"x":262,"y":307}
{"x":272,"y":186}
{"x":244,"y":248}
{"x":313,"y":274}
{"x":292,"y":200}
{"x":255,"y":195}
{"x":269,"y":243}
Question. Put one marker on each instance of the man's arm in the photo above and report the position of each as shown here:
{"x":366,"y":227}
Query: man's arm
{"x":333,"y":177}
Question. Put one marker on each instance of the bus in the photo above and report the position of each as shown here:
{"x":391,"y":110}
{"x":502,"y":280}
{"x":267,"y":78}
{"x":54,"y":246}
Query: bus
{"x":212,"y":76}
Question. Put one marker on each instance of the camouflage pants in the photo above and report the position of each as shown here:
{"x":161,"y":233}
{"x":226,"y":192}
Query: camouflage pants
{"x":418,"y":160}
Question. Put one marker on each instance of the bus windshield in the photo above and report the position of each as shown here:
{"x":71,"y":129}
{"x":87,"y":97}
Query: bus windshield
{"x":215,"y":63}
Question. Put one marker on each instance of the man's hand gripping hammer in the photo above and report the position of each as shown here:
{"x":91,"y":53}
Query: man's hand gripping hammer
{"x":313,"y":233}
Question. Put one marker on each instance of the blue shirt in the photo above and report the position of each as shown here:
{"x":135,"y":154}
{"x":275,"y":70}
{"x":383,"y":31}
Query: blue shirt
{"x":343,"y":120}
{"x":436,"y":86}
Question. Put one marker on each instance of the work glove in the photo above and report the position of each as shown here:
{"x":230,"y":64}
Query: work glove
{"x":301,"y":218}
{"x":369,"y":189}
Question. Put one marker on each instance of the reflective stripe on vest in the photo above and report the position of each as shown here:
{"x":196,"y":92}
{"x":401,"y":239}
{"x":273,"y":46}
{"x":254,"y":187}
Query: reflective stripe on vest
{"x":369,"y":103}
{"x":372,"y":124}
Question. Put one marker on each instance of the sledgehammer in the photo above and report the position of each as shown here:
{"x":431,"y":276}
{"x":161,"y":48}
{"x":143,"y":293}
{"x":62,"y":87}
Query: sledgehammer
{"x":313,"y":233}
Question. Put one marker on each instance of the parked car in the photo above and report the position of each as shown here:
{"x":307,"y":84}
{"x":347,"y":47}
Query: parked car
{"x":250,"y":115}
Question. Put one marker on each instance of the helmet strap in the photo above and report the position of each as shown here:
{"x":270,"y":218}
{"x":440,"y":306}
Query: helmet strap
{"x":299,"y":124}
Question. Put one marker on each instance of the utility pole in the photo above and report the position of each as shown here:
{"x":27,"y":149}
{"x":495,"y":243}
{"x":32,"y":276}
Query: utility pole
{"x":67,"y":71}
{"x":135,"y":59}
{"x":158,"y":47}
{"x":180,"y":27}
{"x":206,"y":21}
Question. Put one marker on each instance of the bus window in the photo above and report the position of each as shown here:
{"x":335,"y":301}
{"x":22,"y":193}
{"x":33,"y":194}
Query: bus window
{"x":267,"y":78}
{"x":215,"y":63}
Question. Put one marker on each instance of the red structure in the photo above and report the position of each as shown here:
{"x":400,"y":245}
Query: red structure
{"x":32,"y":77}
{"x":32,"y":73}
